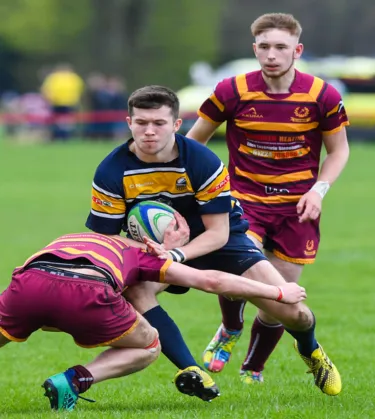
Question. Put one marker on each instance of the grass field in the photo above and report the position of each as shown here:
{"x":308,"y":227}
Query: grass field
{"x":45,"y":192}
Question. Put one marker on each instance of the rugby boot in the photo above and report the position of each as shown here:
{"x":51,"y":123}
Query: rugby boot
{"x":193,"y":381}
{"x":326,"y":375}
{"x":219,"y":350}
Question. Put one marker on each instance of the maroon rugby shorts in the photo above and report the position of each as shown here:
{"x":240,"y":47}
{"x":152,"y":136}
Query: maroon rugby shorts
{"x":90,"y":311}
{"x":284,"y":235}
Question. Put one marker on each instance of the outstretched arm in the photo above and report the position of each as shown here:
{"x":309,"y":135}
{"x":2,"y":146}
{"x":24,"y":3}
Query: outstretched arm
{"x":217,"y":282}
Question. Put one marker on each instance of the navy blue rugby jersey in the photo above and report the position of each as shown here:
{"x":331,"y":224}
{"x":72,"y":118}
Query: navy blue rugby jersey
{"x":195,"y":183}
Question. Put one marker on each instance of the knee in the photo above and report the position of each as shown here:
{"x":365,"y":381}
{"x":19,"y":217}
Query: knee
{"x":303,"y":318}
{"x":154,"y":349}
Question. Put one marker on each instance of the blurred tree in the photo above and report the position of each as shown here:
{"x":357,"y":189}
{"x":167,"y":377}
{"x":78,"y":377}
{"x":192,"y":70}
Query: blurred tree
{"x":41,"y":26}
{"x":8,"y":61}
{"x":154,"y":41}
{"x":329,"y":26}
{"x":179,"y":33}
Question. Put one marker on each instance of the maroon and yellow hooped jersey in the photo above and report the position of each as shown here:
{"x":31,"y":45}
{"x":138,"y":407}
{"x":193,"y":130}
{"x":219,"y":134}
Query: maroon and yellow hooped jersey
{"x":127,"y":265}
{"x":274,"y":140}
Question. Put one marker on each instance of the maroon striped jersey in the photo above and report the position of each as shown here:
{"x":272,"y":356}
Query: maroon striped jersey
{"x":128,"y":265}
{"x":274,"y":140}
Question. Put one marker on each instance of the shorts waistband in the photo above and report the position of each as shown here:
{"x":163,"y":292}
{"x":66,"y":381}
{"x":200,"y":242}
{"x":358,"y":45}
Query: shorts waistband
{"x":63,"y":271}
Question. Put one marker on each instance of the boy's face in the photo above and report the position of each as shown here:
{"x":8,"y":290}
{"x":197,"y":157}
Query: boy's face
{"x":276,"y":51}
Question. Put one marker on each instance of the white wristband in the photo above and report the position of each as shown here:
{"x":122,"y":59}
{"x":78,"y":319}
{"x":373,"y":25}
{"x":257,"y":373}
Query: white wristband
{"x":321,"y":187}
{"x":177,"y":255}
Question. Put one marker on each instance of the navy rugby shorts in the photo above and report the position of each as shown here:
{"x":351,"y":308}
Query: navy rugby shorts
{"x":236,"y":257}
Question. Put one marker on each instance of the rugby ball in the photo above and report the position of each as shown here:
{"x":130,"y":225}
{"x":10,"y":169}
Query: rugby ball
{"x":149,"y":218}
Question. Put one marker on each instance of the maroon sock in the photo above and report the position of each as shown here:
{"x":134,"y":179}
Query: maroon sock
{"x":232,"y":312}
{"x":264,"y":338}
{"x":82,"y":379}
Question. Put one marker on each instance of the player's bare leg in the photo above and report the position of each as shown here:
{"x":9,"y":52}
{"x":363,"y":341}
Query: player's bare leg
{"x":131,"y":353}
{"x":143,"y":295}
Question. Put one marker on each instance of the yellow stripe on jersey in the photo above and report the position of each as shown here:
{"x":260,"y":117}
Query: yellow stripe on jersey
{"x":274,"y":199}
{"x":73,"y":251}
{"x":100,"y":242}
{"x":290,"y":177}
{"x":156,"y":182}
{"x":217,"y":102}
{"x":334,"y":110}
{"x":309,"y":97}
{"x":241,"y":84}
{"x":294,"y":97}
{"x":207,"y":118}
{"x":276,"y":126}
{"x":107,"y":204}
{"x":333,"y":131}
{"x":276,"y":155}
{"x":316,"y":88}
{"x":217,"y":185}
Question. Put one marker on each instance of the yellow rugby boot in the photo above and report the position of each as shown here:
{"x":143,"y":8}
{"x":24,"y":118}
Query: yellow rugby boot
{"x":193,"y":381}
{"x":326,"y":375}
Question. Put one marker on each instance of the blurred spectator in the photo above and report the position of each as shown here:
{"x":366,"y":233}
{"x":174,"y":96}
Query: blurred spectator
{"x":98,"y":100}
{"x":119,"y":103}
{"x":107,"y":103}
{"x":63,"y":89}
{"x":36,"y":115}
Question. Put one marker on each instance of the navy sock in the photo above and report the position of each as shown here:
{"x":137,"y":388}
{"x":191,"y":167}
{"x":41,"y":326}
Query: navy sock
{"x":172,"y":343}
{"x":305,"y":340}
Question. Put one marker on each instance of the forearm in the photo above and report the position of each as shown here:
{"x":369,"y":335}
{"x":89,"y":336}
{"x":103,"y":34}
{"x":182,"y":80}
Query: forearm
{"x":202,"y":130}
{"x":240,"y":287}
{"x":333,"y":165}
{"x":207,"y":242}
{"x":195,"y":135}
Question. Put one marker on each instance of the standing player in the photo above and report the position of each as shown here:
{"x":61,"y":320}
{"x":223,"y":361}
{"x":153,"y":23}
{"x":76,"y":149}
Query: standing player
{"x":74,"y":285}
{"x":277,"y":119}
{"x":157,"y":163}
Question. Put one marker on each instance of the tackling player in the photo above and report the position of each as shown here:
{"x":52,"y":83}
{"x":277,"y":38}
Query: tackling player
{"x":74,"y":285}
{"x":277,"y":120}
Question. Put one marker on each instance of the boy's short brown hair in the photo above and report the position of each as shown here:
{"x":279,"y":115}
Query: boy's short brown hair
{"x":154,"y":97}
{"x":282,"y":21}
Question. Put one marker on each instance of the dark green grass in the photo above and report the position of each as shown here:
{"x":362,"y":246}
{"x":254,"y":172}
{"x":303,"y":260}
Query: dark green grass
{"x":45,"y":192}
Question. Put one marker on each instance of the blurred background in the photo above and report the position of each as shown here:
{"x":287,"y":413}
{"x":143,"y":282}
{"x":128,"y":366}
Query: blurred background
{"x":67,"y":67}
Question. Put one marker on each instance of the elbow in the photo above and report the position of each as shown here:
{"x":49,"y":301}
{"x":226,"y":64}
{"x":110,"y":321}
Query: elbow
{"x":211,"y":282}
